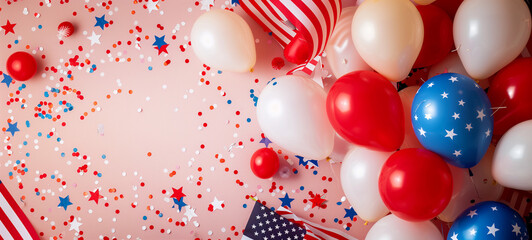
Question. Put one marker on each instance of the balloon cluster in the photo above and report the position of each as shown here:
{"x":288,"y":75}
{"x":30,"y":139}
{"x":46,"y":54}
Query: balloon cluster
{"x":427,"y":151}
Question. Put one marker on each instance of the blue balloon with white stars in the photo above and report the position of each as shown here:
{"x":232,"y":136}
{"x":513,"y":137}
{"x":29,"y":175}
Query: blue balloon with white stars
{"x":489,"y":220}
{"x":451,"y":116}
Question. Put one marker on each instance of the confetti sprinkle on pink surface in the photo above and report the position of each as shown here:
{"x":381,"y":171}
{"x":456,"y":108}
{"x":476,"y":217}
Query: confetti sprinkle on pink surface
{"x":123,"y":133}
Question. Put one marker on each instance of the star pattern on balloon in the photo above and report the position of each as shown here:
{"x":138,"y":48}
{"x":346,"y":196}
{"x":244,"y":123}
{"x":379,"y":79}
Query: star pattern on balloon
{"x":492,"y":229}
{"x":488,"y":220}
{"x":451,"y":117}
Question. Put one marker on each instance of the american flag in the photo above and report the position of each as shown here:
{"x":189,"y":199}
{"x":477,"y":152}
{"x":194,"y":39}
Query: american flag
{"x":314,"y":20}
{"x":13,"y":223}
{"x":264,"y":224}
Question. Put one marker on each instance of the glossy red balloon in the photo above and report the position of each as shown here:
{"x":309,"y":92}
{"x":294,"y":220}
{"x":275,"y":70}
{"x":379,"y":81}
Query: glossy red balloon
{"x":415,"y":184}
{"x":298,"y":50}
{"x":21,"y":66}
{"x":438,"y":36}
{"x":264,"y":163}
{"x":365,"y":109}
{"x":510,"y":94}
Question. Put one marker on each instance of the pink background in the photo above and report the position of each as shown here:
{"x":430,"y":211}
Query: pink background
{"x":161,"y":116}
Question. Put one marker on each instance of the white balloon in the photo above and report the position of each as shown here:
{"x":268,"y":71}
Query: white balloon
{"x":489,"y":34}
{"x":480,"y":187}
{"x":291,"y":112}
{"x":223,"y":40}
{"x":342,"y":55}
{"x":512,"y":163}
{"x":388,"y":35}
{"x":393,"y":228}
{"x":360,"y":181}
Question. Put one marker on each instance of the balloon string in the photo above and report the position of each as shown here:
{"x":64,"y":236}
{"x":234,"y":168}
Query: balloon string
{"x":454,"y":50}
{"x":334,"y":174}
{"x":473,"y":181}
{"x":497,"y":108}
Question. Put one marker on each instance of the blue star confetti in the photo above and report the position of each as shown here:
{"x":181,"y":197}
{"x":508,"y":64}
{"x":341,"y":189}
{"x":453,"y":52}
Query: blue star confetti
{"x":12,"y":128}
{"x":7,"y":80}
{"x":286,"y":201}
{"x":100,"y":22}
{"x":266,"y":141}
{"x":64,"y":202}
{"x":159,"y":42}
{"x":350,"y":213}
{"x":180,"y":203}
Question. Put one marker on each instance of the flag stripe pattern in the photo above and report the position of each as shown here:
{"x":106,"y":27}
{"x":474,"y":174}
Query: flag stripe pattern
{"x":13,"y":223}
{"x":314,"y":19}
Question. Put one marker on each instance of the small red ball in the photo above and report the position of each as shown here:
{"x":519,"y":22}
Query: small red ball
{"x":264,"y":163}
{"x":65,"y":29}
{"x":21,"y":66}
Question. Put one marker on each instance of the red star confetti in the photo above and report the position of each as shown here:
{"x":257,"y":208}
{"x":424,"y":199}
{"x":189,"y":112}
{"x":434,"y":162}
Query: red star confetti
{"x":8,"y":28}
{"x":178,"y":193}
{"x":95,"y":196}
{"x":317,"y":201}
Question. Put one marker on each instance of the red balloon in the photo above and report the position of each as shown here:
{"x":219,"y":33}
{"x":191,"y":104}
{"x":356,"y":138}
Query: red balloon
{"x":438,"y":37}
{"x":365,"y":109}
{"x":298,"y":50}
{"x":415,"y":184}
{"x":449,"y":6}
{"x":510,"y":96}
{"x":21,"y":66}
{"x":264,"y":163}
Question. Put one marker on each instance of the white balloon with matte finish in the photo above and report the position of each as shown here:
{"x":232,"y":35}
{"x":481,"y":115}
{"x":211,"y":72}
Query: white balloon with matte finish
{"x":489,"y":34}
{"x":223,"y":40}
{"x":393,"y":228}
{"x":291,"y":112}
{"x":512,"y":163}
{"x":359,"y":176}
{"x":388,"y":35}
